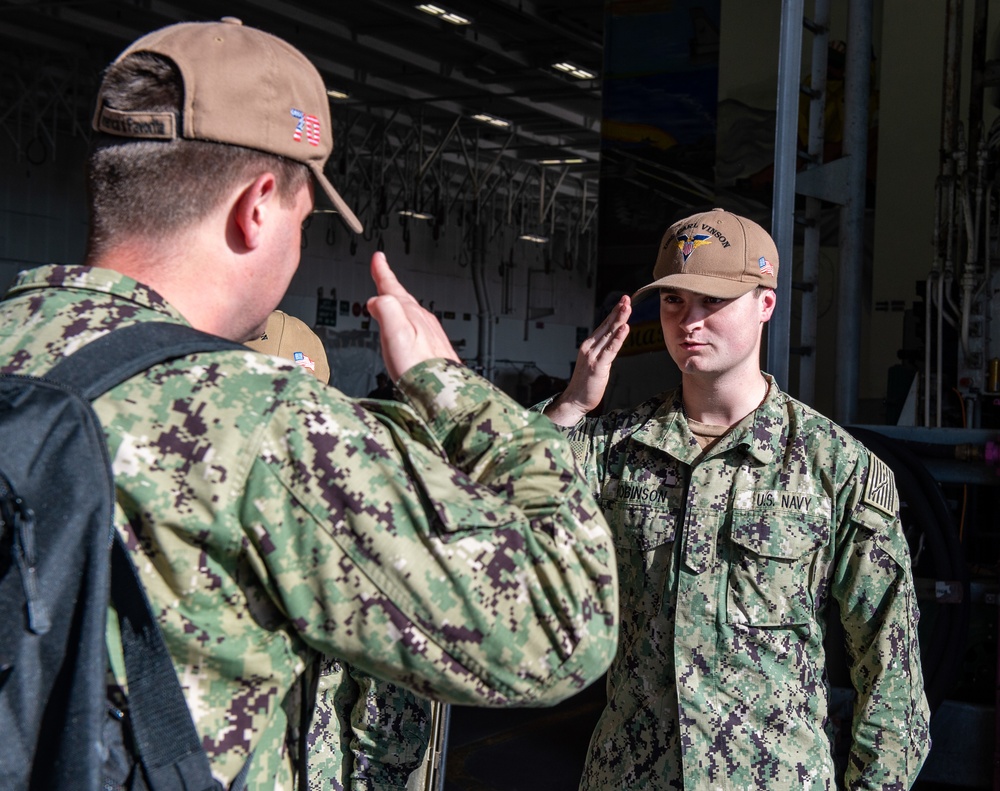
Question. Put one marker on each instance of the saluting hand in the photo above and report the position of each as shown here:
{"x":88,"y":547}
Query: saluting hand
{"x":593,"y":368}
{"x":410,"y":334}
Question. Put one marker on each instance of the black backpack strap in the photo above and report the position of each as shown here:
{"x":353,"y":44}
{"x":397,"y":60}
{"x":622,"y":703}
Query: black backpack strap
{"x":166,"y":739}
{"x":121,"y":354}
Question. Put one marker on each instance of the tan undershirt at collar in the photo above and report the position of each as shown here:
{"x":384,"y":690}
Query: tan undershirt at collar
{"x":706,"y":433}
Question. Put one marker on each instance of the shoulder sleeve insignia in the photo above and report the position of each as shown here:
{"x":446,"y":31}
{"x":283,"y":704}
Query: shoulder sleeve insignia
{"x":880,"y":490}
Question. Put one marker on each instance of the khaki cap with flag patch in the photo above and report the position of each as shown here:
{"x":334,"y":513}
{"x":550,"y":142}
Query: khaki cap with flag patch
{"x":291,"y":339}
{"x":243,"y":87}
{"x":715,"y":253}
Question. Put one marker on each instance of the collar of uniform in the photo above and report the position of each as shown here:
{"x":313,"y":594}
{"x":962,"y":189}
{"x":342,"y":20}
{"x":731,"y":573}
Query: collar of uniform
{"x":667,"y":429}
{"x":759,"y":433}
{"x":91,"y":278}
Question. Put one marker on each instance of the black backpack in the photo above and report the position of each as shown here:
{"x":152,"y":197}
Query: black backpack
{"x":60,"y":558}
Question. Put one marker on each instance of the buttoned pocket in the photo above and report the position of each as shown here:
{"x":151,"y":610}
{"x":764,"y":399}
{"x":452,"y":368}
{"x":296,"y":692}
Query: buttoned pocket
{"x":772,"y":576}
{"x":644,"y":535}
{"x":432,"y":476}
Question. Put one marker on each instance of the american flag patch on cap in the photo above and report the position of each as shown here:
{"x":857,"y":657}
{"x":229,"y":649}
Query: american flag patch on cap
{"x":880,"y":491}
{"x":307,"y":124}
{"x":303,"y":360}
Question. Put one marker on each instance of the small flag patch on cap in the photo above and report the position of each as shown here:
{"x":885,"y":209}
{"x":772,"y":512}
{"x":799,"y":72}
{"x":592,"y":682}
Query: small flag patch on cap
{"x":303,"y":360}
{"x":307,"y":124}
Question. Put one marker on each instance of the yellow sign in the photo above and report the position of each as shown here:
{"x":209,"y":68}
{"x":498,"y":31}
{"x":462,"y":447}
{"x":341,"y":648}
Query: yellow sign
{"x":642,"y":338}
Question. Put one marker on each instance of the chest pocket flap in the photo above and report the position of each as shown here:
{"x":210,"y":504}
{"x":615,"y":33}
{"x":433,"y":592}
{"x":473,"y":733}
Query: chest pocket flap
{"x":641,"y":518}
{"x":772,"y":574}
{"x":779,"y":534}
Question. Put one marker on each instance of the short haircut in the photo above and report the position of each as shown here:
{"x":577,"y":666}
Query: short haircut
{"x":154,"y":188}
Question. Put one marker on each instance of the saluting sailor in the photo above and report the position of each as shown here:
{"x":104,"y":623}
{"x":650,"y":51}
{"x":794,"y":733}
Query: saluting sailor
{"x":740,"y":515}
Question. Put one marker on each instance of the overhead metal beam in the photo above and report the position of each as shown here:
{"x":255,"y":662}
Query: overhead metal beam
{"x":411,"y":57}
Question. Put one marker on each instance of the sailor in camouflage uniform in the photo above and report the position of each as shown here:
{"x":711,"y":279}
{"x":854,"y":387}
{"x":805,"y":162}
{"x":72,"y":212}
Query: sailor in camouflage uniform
{"x":740,"y":516}
{"x":366,"y":734}
{"x":445,"y":543}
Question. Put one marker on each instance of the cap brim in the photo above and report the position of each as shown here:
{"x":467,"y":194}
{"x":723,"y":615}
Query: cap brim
{"x":700,"y":284}
{"x":348,"y":216}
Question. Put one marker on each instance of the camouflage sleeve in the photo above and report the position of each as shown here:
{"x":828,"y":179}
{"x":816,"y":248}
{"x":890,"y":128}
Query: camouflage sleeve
{"x":587,"y":440}
{"x":391,"y":731}
{"x":873,"y":583}
{"x":449,"y":547}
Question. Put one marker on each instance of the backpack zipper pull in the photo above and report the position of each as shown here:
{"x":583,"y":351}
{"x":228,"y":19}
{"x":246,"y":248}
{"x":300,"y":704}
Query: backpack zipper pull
{"x":24,"y":537}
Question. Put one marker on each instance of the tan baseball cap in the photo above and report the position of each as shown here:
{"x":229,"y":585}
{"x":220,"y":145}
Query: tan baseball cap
{"x":716,"y":253}
{"x":291,"y":338}
{"x":243,"y":87}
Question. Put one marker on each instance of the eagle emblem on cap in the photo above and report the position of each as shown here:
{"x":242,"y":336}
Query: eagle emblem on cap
{"x":687,"y":244}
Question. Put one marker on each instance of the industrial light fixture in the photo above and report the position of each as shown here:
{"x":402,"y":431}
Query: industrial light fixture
{"x":574,"y":71}
{"x":323,"y":210}
{"x":486,"y":118}
{"x":531,"y":237}
{"x":443,"y":13}
{"x":416,"y":215}
{"x":335,"y":94}
{"x":572,"y":161}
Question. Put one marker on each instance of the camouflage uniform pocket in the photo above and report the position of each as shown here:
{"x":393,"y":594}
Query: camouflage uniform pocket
{"x":771,"y":574}
{"x":644,"y":537}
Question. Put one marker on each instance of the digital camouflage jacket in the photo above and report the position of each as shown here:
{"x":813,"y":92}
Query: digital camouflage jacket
{"x":449,"y":547}
{"x":729,"y":561}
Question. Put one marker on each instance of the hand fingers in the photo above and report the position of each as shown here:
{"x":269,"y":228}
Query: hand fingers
{"x":609,"y":321}
{"x":384,"y":309}
{"x":619,"y":315}
{"x":617,"y":339}
{"x":611,"y":328}
{"x":610,"y":343}
{"x":622,"y":310}
{"x":618,"y":328}
{"x":385,"y":279}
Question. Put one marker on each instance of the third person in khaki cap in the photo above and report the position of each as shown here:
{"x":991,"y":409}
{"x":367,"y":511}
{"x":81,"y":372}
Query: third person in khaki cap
{"x":365,"y":732}
{"x":740,"y":517}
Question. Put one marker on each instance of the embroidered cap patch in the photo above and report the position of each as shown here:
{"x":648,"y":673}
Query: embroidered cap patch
{"x":304,"y":361}
{"x":688,"y":244}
